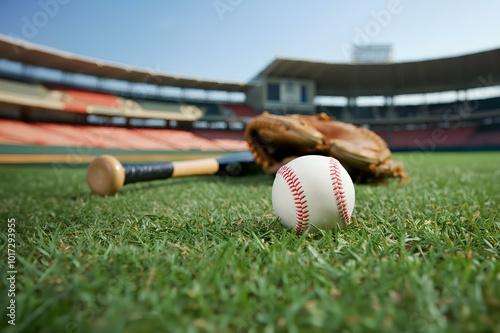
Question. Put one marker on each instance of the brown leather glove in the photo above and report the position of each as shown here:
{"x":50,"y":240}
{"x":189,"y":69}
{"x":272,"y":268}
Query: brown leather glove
{"x":275,"y":140}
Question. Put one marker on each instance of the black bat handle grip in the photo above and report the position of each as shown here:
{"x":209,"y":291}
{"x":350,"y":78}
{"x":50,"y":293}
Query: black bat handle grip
{"x":144,"y":172}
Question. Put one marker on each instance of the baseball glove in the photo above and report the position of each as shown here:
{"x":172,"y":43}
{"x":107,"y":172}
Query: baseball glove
{"x":275,"y":140}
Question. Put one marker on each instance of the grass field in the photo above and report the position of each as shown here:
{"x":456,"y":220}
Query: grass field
{"x":208,"y":254}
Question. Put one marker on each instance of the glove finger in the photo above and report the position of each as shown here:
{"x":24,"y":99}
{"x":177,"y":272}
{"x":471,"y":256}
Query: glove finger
{"x":355,"y":154}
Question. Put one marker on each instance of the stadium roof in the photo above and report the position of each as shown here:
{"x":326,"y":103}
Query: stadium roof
{"x":332,"y":79}
{"x":454,"y":73}
{"x":32,"y":54}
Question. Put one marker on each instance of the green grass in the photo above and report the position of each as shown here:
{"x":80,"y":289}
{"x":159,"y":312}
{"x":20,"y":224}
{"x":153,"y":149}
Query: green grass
{"x":208,"y":254}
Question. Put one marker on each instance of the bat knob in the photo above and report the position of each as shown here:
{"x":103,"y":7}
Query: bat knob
{"x":105,"y":175}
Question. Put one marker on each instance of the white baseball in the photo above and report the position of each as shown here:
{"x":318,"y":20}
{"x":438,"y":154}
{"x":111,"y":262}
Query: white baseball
{"x":313,"y":190}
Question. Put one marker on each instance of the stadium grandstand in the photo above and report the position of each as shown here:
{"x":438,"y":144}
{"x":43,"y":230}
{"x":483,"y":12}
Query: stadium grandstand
{"x":53,"y":98}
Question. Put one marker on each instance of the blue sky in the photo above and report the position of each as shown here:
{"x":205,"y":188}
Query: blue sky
{"x":234,"y":39}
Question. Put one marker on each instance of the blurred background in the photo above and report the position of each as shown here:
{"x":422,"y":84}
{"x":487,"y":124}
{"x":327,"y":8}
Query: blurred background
{"x":174,"y":80}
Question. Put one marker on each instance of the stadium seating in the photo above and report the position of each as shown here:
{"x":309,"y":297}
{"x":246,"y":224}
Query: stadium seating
{"x":88,"y":102}
{"x":486,"y":136}
{"x":18,"y":132}
{"x":90,"y":98}
{"x":428,"y":139}
{"x":489,"y":104}
{"x":28,"y":95}
{"x":43,"y":104}
{"x":229,"y":140}
{"x":171,"y":107}
{"x":23,"y":88}
{"x":50,"y":134}
{"x":180,"y":140}
{"x":215,"y":112}
{"x":241,"y":110}
{"x":413,"y":111}
{"x":81,"y":101}
{"x":59,"y":97}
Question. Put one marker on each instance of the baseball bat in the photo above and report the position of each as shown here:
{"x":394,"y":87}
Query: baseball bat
{"x":106,"y":175}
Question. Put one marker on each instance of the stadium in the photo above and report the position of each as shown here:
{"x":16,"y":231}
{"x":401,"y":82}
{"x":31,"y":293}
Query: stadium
{"x":206,"y":252}
{"x":46,"y":92}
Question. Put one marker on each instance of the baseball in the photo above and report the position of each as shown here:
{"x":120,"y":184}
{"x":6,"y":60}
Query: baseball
{"x":313,"y":192}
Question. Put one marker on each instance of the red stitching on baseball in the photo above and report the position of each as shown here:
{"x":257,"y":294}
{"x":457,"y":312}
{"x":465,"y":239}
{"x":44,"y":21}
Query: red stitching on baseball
{"x":299,"y":197}
{"x":338,"y":191}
